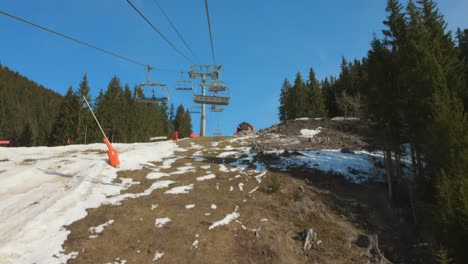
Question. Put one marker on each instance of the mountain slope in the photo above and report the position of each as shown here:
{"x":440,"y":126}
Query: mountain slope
{"x":24,"y":103}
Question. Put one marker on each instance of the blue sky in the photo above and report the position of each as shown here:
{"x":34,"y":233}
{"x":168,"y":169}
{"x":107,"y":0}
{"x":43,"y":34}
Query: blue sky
{"x":258,"y":43}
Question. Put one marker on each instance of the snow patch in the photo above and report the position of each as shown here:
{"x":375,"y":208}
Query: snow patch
{"x":180,"y":189}
{"x":213,"y":206}
{"x":160,"y":222}
{"x":223,"y":168}
{"x":310,"y":132}
{"x":253,"y":190}
{"x":158,"y":255}
{"x":156,"y":175}
{"x":206,"y":177}
{"x":260,"y":176}
{"x":226,"y":220}
{"x":226,"y":154}
{"x":98,"y":229}
{"x":190,"y":206}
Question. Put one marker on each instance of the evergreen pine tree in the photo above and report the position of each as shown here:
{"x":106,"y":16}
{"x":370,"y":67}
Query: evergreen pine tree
{"x":65,"y":125}
{"x":284,"y":108}
{"x":85,"y":117}
{"x":298,"y":100}
{"x":26,"y":137}
{"x":316,"y":104}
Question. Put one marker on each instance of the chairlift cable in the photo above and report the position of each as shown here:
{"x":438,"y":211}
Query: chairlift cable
{"x":155,"y":29}
{"x":173,"y":26}
{"x":81,"y":42}
{"x":209,"y":29}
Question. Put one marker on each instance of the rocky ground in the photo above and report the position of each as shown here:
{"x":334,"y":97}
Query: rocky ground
{"x":219,"y":200}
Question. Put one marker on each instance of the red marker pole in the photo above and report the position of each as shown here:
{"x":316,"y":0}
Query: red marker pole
{"x":111,"y":152}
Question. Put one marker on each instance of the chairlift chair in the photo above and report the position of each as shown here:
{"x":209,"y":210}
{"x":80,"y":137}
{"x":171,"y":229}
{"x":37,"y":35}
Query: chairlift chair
{"x":215,"y":86}
{"x":163,"y":95}
{"x":216,"y":109}
{"x":182,"y":84}
{"x":212,"y":99}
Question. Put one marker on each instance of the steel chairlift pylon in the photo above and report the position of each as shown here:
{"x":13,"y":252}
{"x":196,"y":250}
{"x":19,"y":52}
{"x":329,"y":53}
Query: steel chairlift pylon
{"x":164,"y":96}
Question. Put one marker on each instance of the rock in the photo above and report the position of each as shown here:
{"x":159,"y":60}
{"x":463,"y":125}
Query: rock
{"x":347,"y":150}
{"x":310,"y":239}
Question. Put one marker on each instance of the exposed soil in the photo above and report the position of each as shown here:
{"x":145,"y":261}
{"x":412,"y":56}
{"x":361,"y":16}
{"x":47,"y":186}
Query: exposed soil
{"x":272,"y":213}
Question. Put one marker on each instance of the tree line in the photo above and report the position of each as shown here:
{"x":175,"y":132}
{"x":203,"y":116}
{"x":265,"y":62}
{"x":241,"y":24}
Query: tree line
{"x":33,"y":115}
{"x":412,"y":91}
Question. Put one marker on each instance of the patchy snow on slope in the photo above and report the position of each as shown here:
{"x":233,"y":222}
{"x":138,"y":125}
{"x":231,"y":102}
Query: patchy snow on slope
{"x":260,"y":176}
{"x":310,"y":132}
{"x":158,"y":255}
{"x":180,"y":189}
{"x":156,"y":175}
{"x":253,"y":190}
{"x":227,"y":154}
{"x":223,"y":168}
{"x":160,"y":222}
{"x":186,"y":168}
{"x":356,"y":167}
{"x":43,"y":189}
{"x":117,"y":199}
{"x":226,"y":220}
{"x":98,"y":229}
{"x":206,"y":177}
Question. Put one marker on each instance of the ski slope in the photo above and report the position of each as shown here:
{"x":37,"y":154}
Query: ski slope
{"x":43,"y":189}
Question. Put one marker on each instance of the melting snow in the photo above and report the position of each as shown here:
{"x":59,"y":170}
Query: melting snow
{"x":357,"y":167}
{"x":223,"y":168}
{"x":195,"y":244}
{"x":241,"y":185}
{"x":206,"y":177}
{"x":253,"y":190}
{"x":213,"y":206}
{"x":154,"y":206}
{"x":160,"y":222}
{"x":156,"y":175}
{"x":260,"y":176}
{"x":180,"y":189}
{"x":310,"y":132}
{"x":226,"y":154}
{"x":158,"y":255}
{"x":98,"y":229}
{"x":227,"y":219}
{"x":205,"y":167}
{"x":185,"y":168}
{"x":190,"y":206}
{"x":43,"y":189}
{"x":168,"y":162}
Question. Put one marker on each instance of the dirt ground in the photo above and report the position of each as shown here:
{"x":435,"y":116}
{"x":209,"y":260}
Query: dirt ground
{"x":273,"y":210}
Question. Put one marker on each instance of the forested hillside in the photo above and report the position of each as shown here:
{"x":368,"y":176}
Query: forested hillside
{"x":27,"y":109}
{"x":412,"y":90}
{"x":33,"y":115}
